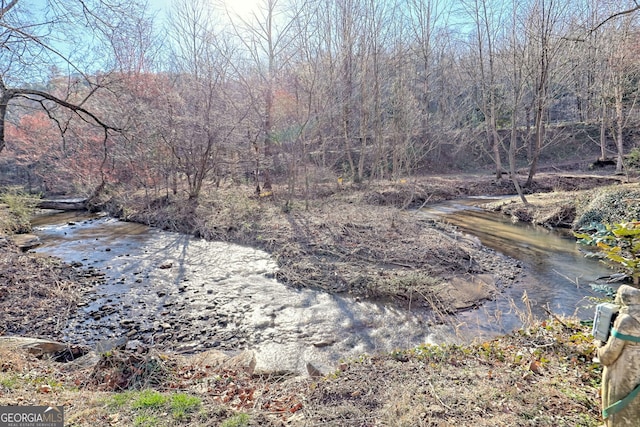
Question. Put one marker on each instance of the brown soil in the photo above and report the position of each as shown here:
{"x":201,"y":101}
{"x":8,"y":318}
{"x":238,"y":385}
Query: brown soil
{"x":355,"y":240}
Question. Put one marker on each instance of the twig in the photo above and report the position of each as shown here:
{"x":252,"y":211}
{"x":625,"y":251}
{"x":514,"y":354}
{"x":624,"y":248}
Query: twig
{"x":555,"y":317}
{"x":425,"y":202}
{"x":433,"y":390}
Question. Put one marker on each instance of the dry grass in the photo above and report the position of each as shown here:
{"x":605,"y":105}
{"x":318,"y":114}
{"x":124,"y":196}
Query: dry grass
{"x":542,"y":376}
{"x":556,"y":209}
{"x":39,"y":293}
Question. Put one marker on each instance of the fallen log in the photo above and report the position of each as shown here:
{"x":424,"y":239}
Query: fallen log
{"x":63,"y":204}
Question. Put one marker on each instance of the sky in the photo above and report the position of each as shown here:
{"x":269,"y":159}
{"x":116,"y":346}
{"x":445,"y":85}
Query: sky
{"x":243,"y":8}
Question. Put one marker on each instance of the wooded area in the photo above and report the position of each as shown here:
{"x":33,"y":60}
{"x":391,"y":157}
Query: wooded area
{"x":305,"y":92}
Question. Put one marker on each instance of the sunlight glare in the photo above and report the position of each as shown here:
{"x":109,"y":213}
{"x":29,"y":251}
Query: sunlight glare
{"x":244,"y":9}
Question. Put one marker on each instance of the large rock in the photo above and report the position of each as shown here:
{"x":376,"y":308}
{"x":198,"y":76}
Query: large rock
{"x":35,"y":346}
{"x":26,"y":241}
{"x":245,"y":360}
{"x":460,"y":293}
{"x":87,"y":361}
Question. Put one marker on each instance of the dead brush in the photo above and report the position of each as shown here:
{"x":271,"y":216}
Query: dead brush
{"x":12,"y":361}
{"x":526,"y":314}
{"x":119,"y":370}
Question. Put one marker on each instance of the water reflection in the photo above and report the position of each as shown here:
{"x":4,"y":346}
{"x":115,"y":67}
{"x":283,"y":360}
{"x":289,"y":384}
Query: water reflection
{"x":557,"y":277}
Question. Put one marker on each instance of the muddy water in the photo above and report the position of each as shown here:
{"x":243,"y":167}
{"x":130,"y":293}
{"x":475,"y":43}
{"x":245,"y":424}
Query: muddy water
{"x":188,"y":294}
{"x":557,"y":277}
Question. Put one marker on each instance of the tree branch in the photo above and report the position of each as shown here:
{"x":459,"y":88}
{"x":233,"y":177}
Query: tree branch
{"x":79,"y":110}
{"x":45,"y":46}
{"x":7,"y":8}
{"x":615,"y":15}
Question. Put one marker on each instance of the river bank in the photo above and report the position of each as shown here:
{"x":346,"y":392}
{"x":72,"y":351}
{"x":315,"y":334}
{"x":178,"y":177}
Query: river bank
{"x":360,"y":241}
{"x":520,"y":379}
{"x":363,"y":241}
{"x":540,"y":376}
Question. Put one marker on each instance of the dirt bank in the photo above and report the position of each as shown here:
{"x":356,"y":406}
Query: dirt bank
{"x":38,"y":293}
{"x":540,"y":376}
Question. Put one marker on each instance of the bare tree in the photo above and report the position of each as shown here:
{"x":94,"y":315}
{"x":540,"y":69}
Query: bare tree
{"x":487,"y":22}
{"x":515,"y":62}
{"x":35,"y":41}
{"x":622,"y":85}
{"x":30,"y":48}
{"x":546,"y":19}
{"x":347,"y":33}
{"x":267,"y":40}
{"x":433,"y":58}
{"x":201,"y":119}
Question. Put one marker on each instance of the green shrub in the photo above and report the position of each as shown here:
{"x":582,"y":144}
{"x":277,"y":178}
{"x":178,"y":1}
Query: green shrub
{"x":618,"y":243}
{"x":633,"y":158}
{"x":240,"y":420}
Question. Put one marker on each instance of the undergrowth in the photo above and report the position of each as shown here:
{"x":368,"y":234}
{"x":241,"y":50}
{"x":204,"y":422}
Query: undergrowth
{"x":16,"y":209}
{"x":607,"y":205}
{"x":148,"y":407}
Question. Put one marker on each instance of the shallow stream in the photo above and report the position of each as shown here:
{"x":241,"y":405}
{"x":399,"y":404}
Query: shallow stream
{"x":166,"y":288}
{"x":557,"y":276}
{"x":187,"y":294}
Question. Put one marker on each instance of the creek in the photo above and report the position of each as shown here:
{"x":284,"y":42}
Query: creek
{"x":557,"y":278}
{"x":186,"y":294}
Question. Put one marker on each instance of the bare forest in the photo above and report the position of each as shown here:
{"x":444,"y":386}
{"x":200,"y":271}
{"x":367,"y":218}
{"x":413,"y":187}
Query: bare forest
{"x":301,"y":93}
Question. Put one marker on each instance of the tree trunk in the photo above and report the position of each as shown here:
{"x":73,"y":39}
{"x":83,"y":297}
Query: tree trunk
{"x":4,"y":102}
{"x":512,"y":158}
{"x":539,"y":138}
{"x":364,"y":123}
{"x":63,"y":205}
{"x":495,"y":138}
{"x":603,"y":132}
{"x":619,"y":129}
{"x":268,"y":130}
{"x":347,"y":139}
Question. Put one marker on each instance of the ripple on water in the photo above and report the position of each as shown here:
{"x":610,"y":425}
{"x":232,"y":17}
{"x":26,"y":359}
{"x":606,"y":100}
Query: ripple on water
{"x":185,"y":293}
